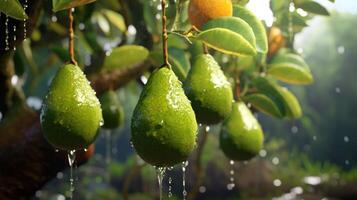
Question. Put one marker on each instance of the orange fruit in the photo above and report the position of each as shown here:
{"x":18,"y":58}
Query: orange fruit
{"x":202,"y":11}
{"x":276,"y":40}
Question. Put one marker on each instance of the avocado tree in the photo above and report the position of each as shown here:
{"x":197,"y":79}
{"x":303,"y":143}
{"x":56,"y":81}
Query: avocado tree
{"x":231,"y":65}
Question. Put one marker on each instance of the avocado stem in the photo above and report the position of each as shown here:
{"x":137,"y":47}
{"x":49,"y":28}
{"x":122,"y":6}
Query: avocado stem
{"x":71,"y":38}
{"x":165,"y":36}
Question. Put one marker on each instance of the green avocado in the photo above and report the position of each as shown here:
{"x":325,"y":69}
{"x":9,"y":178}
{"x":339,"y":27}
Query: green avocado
{"x":71,"y":115}
{"x":163,"y":126}
{"x":209,"y":90}
{"x":113,"y":113}
{"x":241,"y":136}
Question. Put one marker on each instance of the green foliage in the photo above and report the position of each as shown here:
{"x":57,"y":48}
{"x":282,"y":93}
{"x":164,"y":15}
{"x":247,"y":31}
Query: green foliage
{"x":124,"y":57}
{"x":256,"y":25}
{"x":14,"y":9}
{"x":59,"y":5}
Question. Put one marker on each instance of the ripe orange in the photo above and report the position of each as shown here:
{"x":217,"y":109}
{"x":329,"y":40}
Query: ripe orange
{"x":202,"y":11}
{"x":276,"y":40}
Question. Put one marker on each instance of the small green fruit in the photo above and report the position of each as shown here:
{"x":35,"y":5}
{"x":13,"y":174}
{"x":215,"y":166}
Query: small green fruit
{"x":113,"y":113}
{"x":71,"y":113}
{"x":241,"y":137}
{"x":209,"y":91}
{"x":163,"y":126}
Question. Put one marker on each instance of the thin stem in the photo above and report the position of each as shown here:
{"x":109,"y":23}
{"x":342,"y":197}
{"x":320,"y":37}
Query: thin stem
{"x":71,"y":38}
{"x":165,"y":35}
{"x":205,"y":49}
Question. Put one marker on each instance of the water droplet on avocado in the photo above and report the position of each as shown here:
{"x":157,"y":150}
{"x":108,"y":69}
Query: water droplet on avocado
{"x":163,"y":100}
{"x":69,"y":110}
{"x":209,"y":91}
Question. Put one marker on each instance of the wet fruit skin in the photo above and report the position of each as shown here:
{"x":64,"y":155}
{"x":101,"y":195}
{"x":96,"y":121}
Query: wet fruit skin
{"x":209,"y":90}
{"x":113,"y":113}
{"x":202,"y":11}
{"x":163,"y":125}
{"x":241,"y":137}
{"x":71,"y":113}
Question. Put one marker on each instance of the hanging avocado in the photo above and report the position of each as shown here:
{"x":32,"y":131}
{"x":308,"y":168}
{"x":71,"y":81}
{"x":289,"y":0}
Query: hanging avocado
{"x":163,"y":126}
{"x":241,"y":137}
{"x":71,"y":113}
{"x":209,"y":91}
{"x":113,"y":113}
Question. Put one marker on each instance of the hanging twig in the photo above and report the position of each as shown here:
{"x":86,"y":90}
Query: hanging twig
{"x":165,"y":35}
{"x":71,"y":38}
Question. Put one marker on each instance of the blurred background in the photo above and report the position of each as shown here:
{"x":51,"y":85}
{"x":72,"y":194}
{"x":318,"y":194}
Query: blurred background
{"x":311,"y":158}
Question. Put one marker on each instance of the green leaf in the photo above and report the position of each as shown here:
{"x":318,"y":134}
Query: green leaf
{"x":234,"y":24}
{"x":291,"y":104}
{"x":13,"y":9}
{"x":313,"y":7}
{"x":125,"y":56}
{"x":226,"y":41}
{"x":115,"y":19}
{"x":290,"y":68}
{"x":264,"y":104}
{"x":286,"y":101}
{"x":255,"y":24}
{"x":59,"y":5}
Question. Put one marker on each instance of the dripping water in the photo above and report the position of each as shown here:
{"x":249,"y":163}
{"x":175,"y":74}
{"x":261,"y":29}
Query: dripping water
{"x":14,"y":37}
{"x":25,"y":21}
{"x":160,"y":172}
{"x":170,"y":183}
{"x":6,"y":32}
{"x":71,"y":158}
{"x":184,"y":192}
{"x":231,"y":183}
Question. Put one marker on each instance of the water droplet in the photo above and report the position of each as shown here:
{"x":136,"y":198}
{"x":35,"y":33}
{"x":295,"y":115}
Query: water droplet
{"x":338,"y":90}
{"x":341,"y":49}
{"x":85,"y":150}
{"x":231,"y":184}
{"x":6,"y":33}
{"x":294,"y":129}
{"x":208,"y":129}
{"x":25,"y":21}
{"x":277,"y":183}
{"x":202,"y":189}
{"x":347,"y":162}
{"x":346,"y":139}
{"x":170,"y":187}
{"x":56,"y":150}
{"x":263,"y":153}
{"x":275,"y":160}
{"x":59,"y":175}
